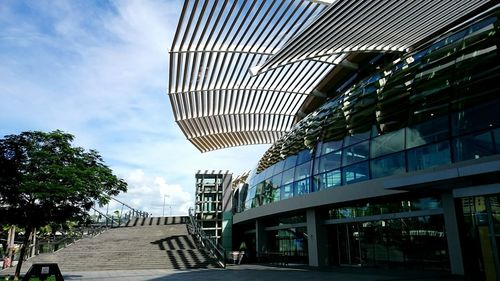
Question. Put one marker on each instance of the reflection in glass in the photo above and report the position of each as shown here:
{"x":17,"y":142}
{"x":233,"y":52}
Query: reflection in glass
{"x":286,"y":191}
{"x":389,"y":165}
{"x":355,"y":153}
{"x":432,"y":131}
{"x":429,"y":156}
{"x":388,"y":143}
{"x":473,"y":146}
{"x":328,"y":162}
{"x":355,"y":173}
{"x":301,"y":187}
{"x":330,"y":146}
{"x":328,"y":180}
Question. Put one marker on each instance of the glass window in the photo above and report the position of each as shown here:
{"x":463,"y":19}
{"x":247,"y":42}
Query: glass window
{"x":389,"y":165}
{"x":328,"y":162}
{"x":388,"y":143}
{"x":358,"y":137}
{"x":328,"y":180}
{"x":304,"y":156}
{"x":476,"y":118}
{"x":279,"y":167}
{"x":303,"y":171}
{"x":496,"y":134}
{"x":288,"y":176}
{"x":290,"y":162}
{"x":428,"y":132}
{"x":473,"y":146}
{"x":429,"y":156}
{"x":276,"y":180}
{"x":286,"y":191}
{"x":330,"y":146}
{"x":355,"y":153}
{"x":355,"y":173}
{"x":301,"y":187}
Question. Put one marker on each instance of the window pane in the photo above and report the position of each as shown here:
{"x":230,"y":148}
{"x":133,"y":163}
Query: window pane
{"x":330,"y":146}
{"x":304,"y":156}
{"x":288,"y":176}
{"x":476,"y":118}
{"x":355,"y":153}
{"x":327,"y":180}
{"x":279,"y":167}
{"x":473,"y":146}
{"x":388,"y":143}
{"x":355,"y":173}
{"x":303,"y":171}
{"x":428,"y":132}
{"x":286,"y":191}
{"x":329,"y":162}
{"x":390,"y":165}
{"x":357,"y":138}
{"x":290,"y":162}
{"x":496,"y":133}
{"x":301,"y":187}
{"x":276,"y":180}
{"x":429,"y":156}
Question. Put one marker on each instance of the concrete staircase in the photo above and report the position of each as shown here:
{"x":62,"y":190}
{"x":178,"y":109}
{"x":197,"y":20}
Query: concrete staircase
{"x":151,"y":243}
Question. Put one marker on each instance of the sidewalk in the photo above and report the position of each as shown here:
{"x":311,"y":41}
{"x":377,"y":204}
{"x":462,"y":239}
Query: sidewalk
{"x":259,"y":273}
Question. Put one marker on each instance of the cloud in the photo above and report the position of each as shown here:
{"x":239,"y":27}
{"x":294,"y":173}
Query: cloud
{"x":99,"y":70}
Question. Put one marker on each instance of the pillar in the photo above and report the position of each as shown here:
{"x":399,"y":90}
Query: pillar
{"x":260,"y":237}
{"x":452,"y":234}
{"x":317,"y":249}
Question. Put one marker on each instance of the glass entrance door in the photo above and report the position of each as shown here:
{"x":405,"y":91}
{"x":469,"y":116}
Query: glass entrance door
{"x":349,"y":246}
{"x":481,"y":236}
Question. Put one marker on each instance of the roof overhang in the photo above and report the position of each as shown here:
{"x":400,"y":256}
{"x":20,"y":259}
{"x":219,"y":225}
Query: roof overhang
{"x":291,"y":46}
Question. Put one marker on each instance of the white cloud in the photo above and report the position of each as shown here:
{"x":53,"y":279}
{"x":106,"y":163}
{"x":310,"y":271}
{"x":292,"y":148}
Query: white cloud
{"x":99,"y":70}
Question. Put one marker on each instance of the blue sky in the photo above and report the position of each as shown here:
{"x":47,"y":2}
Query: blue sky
{"x":99,"y":70}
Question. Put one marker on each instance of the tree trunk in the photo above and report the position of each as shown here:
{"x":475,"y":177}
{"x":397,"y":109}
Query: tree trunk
{"x":26,"y":242}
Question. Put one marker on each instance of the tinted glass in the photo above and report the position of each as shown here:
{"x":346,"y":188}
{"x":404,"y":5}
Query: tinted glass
{"x":388,"y":143}
{"x":355,"y":153}
{"x":290,"y":162}
{"x":388,"y":165}
{"x":330,"y":146}
{"x":304,"y":156}
{"x":303,"y":171}
{"x":476,"y":118}
{"x":301,"y":187}
{"x":329,"y":162}
{"x":355,"y":173}
{"x":473,"y":146}
{"x":428,"y":132}
{"x":357,"y":138}
{"x":288,"y":176}
{"x":429,"y":156}
{"x":286,"y":191}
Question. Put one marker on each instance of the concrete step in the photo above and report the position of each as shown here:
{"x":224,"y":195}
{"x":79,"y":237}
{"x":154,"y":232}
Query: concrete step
{"x":152,"y":243}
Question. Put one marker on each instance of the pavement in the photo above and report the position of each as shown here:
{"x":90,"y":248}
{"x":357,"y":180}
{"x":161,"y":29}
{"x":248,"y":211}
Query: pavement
{"x":250,"y":272}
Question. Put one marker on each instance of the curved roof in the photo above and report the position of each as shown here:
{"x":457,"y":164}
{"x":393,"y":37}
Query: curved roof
{"x":216,"y":100}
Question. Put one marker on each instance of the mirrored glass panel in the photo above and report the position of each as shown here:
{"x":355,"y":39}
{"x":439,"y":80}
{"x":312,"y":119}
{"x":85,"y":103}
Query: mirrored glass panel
{"x":428,"y":132}
{"x":429,"y":156}
{"x":355,"y":153}
{"x":355,"y":173}
{"x":389,"y":165}
{"x":388,"y":143}
{"x":473,"y":146}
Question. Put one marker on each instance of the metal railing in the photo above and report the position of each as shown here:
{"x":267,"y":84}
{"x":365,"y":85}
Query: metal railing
{"x":116,"y":218}
{"x":215,"y":249}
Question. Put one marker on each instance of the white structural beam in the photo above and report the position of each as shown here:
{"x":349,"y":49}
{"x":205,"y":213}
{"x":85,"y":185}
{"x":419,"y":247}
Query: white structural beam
{"x":369,"y":26}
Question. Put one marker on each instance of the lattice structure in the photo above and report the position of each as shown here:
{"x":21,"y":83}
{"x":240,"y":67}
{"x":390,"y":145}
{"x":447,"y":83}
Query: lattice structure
{"x":241,"y":69}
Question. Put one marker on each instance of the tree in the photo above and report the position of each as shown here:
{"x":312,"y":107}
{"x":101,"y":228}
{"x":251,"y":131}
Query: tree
{"x":45,"y":179}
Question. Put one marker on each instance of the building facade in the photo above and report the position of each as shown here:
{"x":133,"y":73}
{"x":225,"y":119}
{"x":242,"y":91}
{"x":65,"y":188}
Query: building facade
{"x":210,"y":188}
{"x":383,"y":121}
{"x":400,"y":170}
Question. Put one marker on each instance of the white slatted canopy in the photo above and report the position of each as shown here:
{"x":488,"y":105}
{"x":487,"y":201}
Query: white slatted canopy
{"x":215,"y":100}
{"x":370,"y":26}
{"x":290,"y":45}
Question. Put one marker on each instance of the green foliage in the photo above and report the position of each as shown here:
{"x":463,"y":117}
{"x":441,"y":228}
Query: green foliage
{"x":45,"y":180}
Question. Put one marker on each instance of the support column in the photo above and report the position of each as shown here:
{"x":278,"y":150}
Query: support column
{"x":260,"y":238}
{"x":317,"y":250}
{"x":452,"y":236}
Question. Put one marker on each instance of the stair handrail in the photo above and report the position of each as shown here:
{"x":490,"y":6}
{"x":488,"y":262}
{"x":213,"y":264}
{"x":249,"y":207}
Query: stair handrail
{"x":214,"y":248}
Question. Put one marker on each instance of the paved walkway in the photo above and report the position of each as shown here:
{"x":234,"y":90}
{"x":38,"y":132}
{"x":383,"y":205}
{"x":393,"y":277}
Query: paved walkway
{"x":258,"y":273}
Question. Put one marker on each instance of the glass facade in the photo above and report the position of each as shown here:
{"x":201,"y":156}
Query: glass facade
{"x":434,"y":107}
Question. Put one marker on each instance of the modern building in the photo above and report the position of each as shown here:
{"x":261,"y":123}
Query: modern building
{"x":383,"y":120}
{"x":210,"y":189}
